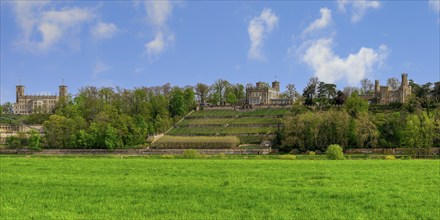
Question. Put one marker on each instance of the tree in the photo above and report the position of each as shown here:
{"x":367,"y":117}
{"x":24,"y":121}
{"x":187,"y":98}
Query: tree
{"x":348,"y":90}
{"x":356,"y":105}
{"x":177,"y":102}
{"x":34,"y":140}
{"x":189,"y":99}
{"x":8,"y":108}
{"x":220,"y":87}
{"x":393,"y":83}
{"x":366,"y":86}
{"x":309,"y":93}
{"x":291,"y":91}
{"x":340,"y":98}
{"x":202,"y":91}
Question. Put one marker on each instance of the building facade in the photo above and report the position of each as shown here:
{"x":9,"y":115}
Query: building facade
{"x":384,"y":94}
{"x":28,"y":104}
{"x":263,"y":94}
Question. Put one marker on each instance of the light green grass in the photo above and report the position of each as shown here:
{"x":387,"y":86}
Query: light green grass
{"x":139,"y":188}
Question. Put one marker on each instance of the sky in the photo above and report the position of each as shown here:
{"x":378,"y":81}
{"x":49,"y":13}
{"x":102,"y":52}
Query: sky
{"x":147,"y":43}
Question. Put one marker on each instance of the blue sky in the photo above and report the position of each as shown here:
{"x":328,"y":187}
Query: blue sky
{"x":133,"y":44}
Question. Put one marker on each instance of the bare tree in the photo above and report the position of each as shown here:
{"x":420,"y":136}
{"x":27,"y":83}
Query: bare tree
{"x":394,"y":83}
{"x":349,"y":90}
{"x":291,"y":91}
{"x":366,"y":86}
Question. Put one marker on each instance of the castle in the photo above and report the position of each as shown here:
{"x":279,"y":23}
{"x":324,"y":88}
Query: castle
{"x":28,"y":104}
{"x":384,"y":95}
{"x":262,"y":93}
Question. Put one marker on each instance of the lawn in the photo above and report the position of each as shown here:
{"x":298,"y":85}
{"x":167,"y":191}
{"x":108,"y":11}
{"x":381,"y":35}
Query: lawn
{"x":118,"y":187}
{"x":231,"y":121}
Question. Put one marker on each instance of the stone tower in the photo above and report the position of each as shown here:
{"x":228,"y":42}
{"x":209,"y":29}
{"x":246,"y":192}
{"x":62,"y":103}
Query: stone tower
{"x":405,"y":88}
{"x":62,"y":91}
{"x":376,"y":87}
{"x":276,"y":85}
{"x":19,"y":92}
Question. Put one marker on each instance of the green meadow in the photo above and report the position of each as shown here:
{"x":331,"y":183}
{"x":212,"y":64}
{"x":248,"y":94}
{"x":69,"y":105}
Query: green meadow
{"x":115,"y":187}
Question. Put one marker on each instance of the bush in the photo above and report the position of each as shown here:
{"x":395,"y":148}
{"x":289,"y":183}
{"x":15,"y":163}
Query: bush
{"x":390,"y":157}
{"x":222,"y":156}
{"x":312,"y":153}
{"x":190,"y":154}
{"x":287,"y":157}
{"x":334,"y":152}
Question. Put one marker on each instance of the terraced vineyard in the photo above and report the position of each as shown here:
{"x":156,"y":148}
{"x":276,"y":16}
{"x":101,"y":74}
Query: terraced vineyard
{"x":251,"y":127}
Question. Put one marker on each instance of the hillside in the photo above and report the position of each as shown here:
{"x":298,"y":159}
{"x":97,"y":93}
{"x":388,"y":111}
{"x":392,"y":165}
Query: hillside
{"x":251,"y":127}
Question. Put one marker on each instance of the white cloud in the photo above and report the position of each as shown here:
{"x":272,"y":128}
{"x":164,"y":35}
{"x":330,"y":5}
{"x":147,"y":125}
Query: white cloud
{"x":435,"y":5}
{"x":321,"y":23}
{"x":330,"y":67}
{"x":358,"y":7}
{"x":104,"y":30}
{"x":99,"y":67}
{"x":317,"y":52}
{"x":44,"y":26}
{"x":258,"y":28}
{"x":158,"y":12}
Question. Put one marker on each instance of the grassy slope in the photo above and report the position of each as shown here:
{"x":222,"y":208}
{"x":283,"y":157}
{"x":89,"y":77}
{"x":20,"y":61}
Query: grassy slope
{"x":106,"y":187}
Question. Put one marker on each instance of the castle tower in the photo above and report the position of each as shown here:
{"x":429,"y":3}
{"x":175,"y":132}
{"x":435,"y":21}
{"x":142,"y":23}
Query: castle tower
{"x":405,"y":89}
{"x":19,"y":92}
{"x":62,"y":91}
{"x":376,"y":87}
{"x":276,"y":85}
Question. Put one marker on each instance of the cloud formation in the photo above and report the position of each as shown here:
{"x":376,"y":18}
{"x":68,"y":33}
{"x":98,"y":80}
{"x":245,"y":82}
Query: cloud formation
{"x":358,"y":7}
{"x":36,"y":18}
{"x":158,"y":12}
{"x":104,"y":30}
{"x":330,"y":67}
{"x":321,"y":23}
{"x":435,"y":5}
{"x":258,"y":29}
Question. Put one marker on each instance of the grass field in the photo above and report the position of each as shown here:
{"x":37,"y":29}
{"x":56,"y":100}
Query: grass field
{"x":145,"y":188}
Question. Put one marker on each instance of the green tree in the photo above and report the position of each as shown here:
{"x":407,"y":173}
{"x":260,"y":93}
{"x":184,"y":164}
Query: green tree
{"x":34,"y":140}
{"x":356,"y":105}
{"x":177,"y":102}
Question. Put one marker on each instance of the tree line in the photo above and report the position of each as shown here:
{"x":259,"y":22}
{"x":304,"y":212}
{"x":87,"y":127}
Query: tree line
{"x":121,"y":118}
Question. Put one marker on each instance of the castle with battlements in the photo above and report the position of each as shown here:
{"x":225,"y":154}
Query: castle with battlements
{"x":28,"y":104}
{"x":384,"y":94}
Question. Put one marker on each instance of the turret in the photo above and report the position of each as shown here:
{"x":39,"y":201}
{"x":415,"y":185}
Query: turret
{"x":19,"y":91}
{"x":404,"y":79}
{"x":276,"y":85}
{"x":376,"y":86}
{"x":62,"y":91}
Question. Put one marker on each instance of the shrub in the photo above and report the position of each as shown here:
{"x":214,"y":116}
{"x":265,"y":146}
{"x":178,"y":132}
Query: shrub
{"x":334,"y":152}
{"x":312,"y":153}
{"x":190,"y":154}
{"x":287,"y":157}
{"x":167,"y":156}
{"x":390,"y":157}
